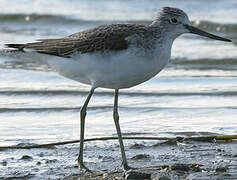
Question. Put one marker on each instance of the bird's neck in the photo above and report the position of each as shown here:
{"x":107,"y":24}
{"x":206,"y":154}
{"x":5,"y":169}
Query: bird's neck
{"x":161,"y":52}
{"x":161,"y":42}
{"x":154,"y":44}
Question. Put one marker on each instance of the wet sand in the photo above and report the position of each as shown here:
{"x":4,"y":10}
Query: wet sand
{"x":156,"y":160}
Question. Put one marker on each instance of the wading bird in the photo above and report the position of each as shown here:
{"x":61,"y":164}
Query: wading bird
{"x":115,"y":56}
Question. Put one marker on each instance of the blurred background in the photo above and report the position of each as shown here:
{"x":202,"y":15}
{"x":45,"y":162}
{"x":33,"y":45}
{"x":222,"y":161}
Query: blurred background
{"x":196,"y":92}
{"x":195,"y":95}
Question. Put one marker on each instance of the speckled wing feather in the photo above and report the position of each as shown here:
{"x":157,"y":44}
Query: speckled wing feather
{"x":101,"y":38}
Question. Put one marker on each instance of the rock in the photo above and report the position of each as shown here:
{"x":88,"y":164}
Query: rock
{"x":41,"y":154}
{"x":26,"y":144}
{"x":38,"y":163}
{"x":137,"y":175}
{"x":196,"y":169}
{"x":221,"y":169}
{"x":137,"y":146}
{"x":166,"y":143}
{"x":107,"y":159}
{"x":180,"y":167}
{"x":50,"y":161}
{"x":163,"y":178}
{"x":4,"y":163}
{"x":141,"y":157}
{"x":26,"y":158}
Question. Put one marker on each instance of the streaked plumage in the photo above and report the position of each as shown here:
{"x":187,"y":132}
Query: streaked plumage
{"x":100,"y":39}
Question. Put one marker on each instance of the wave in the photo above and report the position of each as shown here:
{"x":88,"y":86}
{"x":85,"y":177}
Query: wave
{"x":31,"y":17}
{"x":59,"y":19}
{"x":60,"y":109}
{"x":213,"y":26}
{"x":3,"y":110}
{"x":51,"y":109}
{"x":47,"y":18}
{"x":206,"y":61}
{"x":229,"y":64}
{"x":111,"y":93}
{"x":25,"y":65}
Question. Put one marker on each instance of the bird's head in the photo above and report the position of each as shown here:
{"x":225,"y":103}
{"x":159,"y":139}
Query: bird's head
{"x":176,"y":22}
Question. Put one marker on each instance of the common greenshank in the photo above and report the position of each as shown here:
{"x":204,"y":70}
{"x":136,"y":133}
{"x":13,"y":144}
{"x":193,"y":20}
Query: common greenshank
{"x":114,"y":56}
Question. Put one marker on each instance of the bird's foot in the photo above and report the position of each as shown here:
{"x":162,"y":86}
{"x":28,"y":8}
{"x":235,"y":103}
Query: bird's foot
{"x":127,"y":168}
{"x":83,"y":168}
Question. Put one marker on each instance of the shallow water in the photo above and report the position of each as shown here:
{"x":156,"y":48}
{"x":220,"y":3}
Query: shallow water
{"x":197,"y":92}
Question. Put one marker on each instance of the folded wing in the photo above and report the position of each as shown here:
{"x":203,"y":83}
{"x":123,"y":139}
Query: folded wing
{"x":101,"y":38}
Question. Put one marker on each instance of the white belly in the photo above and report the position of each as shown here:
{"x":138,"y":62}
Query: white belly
{"x":117,"y":70}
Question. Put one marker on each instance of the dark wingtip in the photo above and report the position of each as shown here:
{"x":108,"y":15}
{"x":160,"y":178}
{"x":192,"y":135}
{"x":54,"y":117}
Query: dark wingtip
{"x":15,"y":46}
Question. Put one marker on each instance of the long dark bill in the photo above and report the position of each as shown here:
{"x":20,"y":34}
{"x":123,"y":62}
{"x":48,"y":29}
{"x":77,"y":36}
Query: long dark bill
{"x":195,"y":30}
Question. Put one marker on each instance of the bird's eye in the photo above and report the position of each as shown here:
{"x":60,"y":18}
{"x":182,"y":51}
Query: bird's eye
{"x":173,"y":21}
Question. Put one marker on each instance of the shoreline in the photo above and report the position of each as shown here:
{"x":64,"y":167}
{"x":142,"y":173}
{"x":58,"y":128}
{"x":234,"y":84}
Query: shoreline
{"x":162,"y":159}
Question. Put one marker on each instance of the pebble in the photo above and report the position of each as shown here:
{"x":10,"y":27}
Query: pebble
{"x":141,"y":156}
{"x":196,"y":169}
{"x":50,"y":161}
{"x":221,"y":169}
{"x":163,"y":178}
{"x":137,"y":175}
{"x":41,"y":154}
{"x":4,"y":163}
{"x":26,"y":158}
{"x":137,"y":146}
{"x":180,"y":167}
{"x":107,"y":159}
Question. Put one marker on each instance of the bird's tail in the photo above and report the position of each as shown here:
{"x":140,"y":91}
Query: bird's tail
{"x":16,"y":46}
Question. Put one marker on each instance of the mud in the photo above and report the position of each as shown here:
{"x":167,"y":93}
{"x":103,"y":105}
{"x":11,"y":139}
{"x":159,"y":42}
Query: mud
{"x":153,"y":160}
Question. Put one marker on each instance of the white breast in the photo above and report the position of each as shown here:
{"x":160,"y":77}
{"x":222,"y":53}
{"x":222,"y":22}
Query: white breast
{"x":115,"y":70}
